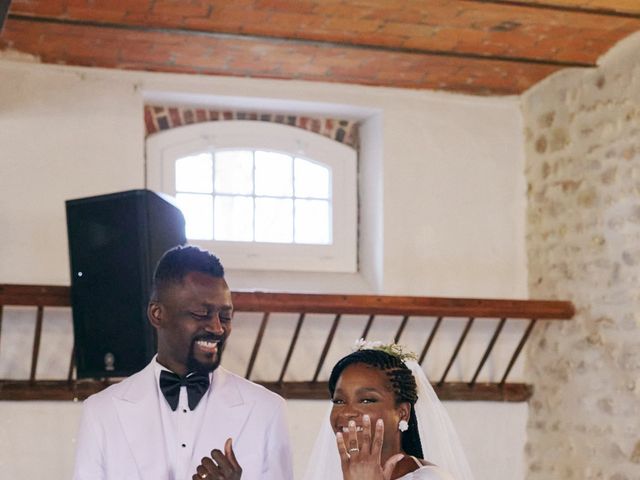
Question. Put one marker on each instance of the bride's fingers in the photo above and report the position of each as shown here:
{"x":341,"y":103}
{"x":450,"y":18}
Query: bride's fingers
{"x":342,"y":448}
{"x":390,"y":465}
{"x":352,"y":438}
{"x":366,"y":434}
{"x":378,"y":437}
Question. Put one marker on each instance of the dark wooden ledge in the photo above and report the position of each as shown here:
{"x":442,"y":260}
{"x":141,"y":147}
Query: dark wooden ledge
{"x":81,"y":389}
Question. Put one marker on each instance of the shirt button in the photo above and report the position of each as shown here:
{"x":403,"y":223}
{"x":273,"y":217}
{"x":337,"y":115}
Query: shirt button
{"x":184,"y":410}
{"x":184,"y":445}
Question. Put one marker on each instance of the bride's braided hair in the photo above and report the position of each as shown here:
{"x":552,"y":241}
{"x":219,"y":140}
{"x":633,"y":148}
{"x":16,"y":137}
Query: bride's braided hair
{"x":402,"y":383}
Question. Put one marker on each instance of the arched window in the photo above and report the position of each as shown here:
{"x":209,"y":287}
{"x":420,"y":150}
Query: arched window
{"x":261,"y":195}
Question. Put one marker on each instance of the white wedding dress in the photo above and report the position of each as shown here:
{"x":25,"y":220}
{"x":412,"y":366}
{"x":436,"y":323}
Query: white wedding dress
{"x":440,"y":443}
{"x":427,"y":472}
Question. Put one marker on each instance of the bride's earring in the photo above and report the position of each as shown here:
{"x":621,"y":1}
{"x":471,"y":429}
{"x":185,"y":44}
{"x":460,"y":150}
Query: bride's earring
{"x":403,"y":426}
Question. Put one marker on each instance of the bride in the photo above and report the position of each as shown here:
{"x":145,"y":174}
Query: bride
{"x":386,"y":422}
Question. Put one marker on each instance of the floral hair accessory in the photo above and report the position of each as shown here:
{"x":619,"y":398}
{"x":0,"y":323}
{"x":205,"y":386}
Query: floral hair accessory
{"x":391,"y":348}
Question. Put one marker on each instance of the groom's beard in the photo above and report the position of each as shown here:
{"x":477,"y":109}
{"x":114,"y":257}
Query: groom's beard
{"x":195,"y":365}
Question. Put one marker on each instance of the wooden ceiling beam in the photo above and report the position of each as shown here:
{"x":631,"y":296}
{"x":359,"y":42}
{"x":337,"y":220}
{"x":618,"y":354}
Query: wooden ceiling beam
{"x":302,"y":41}
{"x":482,"y":47}
{"x":164,"y":51}
{"x":494,"y":29}
{"x":619,"y":8}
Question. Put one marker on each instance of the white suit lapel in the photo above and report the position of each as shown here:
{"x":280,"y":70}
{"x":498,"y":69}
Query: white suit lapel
{"x":225,"y":417}
{"x":139,"y":411}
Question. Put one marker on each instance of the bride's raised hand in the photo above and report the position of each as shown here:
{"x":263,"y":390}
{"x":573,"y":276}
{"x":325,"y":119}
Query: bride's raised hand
{"x":362,"y":462}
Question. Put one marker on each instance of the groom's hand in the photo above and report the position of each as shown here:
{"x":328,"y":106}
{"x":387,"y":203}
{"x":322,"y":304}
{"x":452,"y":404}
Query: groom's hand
{"x":220,"y":466}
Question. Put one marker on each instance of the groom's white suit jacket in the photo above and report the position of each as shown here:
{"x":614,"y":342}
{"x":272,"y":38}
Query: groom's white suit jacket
{"x":121,"y":435}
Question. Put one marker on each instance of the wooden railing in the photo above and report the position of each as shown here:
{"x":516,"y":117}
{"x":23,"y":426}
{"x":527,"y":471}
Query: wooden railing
{"x":442,"y":309}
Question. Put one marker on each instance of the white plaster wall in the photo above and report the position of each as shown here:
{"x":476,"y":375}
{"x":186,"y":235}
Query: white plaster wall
{"x":442,"y":213}
{"x":453,"y":184}
{"x":454,"y":190}
{"x":63,"y":135}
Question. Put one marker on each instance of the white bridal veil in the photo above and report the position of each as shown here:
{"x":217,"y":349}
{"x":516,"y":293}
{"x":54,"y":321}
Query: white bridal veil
{"x":440,"y":443}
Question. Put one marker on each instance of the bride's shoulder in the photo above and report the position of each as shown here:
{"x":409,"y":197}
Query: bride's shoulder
{"x":433,"y":472}
{"x":428,"y":471}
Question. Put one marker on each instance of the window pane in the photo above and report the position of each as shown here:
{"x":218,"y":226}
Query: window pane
{"x":311,"y":179}
{"x":312,"y":222}
{"x":193,"y":174}
{"x":273,"y":174}
{"x":233,"y":218}
{"x":274,"y":220}
{"x":234,"y":172}
{"x":198,"y":215}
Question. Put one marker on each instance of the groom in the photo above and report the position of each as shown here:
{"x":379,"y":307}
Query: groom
{"x":173,"y":420}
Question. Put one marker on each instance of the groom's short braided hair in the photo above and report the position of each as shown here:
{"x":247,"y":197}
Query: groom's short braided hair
{"x":402,"y":382}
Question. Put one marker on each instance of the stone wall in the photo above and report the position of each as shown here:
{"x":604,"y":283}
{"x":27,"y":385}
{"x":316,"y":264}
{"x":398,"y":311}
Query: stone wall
{"x":583,"y":241}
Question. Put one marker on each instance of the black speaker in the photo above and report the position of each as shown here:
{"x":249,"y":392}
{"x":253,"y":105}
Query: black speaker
{"x":115,"y":242}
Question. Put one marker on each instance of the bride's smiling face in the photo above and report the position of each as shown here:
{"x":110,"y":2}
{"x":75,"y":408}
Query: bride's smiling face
{"x":365,"y":390}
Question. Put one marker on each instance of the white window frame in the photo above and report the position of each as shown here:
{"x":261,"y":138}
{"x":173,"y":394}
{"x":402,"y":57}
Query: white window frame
{"x":164,"y":148}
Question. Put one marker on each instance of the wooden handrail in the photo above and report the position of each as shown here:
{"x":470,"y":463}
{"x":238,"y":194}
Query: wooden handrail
{"x":48,"y":295}
{"x":402,"y":306}
{"x":35,"y":295}
{"x":532,"y":311}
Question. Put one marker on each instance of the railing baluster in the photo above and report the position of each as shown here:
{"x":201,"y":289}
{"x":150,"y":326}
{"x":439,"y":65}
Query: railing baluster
{"x":291,"y":347}
{"x":403,"y":324}
{"x":492,"y":342}
{"x":523,"y":340}
{"x":457,"y":349}
{"x":367,"y":327}
{"x":327,"y":345}
{"x":36,"y":344}
{"x":434,"y":330}
{"x":1,"y":310}
{"x":72,"y":363}
{"x":256,"y":346}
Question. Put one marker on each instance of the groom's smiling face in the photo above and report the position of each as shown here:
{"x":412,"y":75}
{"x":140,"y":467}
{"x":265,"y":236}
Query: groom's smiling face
{"x":193,"y":320}
{"x":366,"y":390}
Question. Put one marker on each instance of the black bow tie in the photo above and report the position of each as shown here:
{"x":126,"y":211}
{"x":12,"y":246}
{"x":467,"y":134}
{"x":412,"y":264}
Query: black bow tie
{"x":196,"y":383}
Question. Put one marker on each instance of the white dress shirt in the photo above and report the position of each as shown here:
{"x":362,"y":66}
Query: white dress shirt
{"x":181,"y":428}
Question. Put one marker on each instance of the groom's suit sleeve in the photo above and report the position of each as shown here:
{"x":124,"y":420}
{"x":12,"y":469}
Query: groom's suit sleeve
{"x":89,"y":459}
{"x":278,"y":465}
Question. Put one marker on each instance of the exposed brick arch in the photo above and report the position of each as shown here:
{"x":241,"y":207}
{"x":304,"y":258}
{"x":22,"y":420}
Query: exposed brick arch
{"x":162,"y":117}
